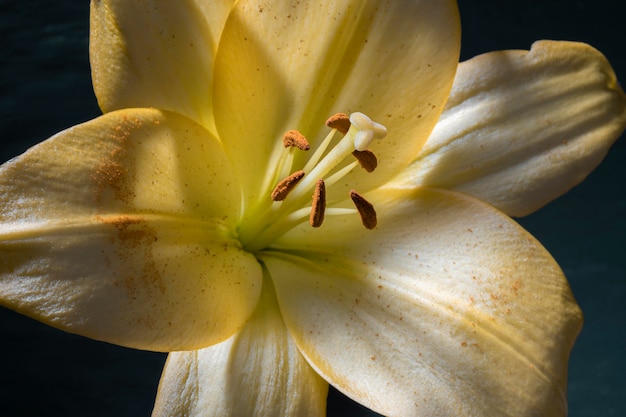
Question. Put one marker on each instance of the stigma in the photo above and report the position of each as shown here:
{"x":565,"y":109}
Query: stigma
{"x":297,"y":185}
{"x":358,"y":131}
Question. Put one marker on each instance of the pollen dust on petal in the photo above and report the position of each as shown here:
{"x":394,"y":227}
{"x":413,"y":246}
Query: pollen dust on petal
{"x":112,"y":178}
{"x":132,"y":258}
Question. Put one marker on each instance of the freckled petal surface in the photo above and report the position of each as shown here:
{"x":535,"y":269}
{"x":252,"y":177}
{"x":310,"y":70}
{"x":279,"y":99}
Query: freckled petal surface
{"x":156,"y":54}
{"x":447,"y":308}
{"x":258,"y":372}
{"x":523,"y":127}
{"x":120,"y":228}
{"x":287,"y":65}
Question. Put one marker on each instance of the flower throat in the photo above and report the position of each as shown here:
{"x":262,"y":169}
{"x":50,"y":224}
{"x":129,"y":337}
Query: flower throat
{"x":290,"y":203}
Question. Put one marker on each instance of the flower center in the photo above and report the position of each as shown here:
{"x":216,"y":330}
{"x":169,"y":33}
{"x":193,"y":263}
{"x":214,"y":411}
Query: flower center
{"x":290,"y":201}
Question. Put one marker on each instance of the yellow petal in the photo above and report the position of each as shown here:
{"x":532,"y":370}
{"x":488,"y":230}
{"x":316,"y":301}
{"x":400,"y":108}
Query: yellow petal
{"x":521,"y":128}
{"x":258,"y":372}
{"x":285,"y":65}
{"x":448,"y":308}
{"x":215,"y":14}
{"x":156,"y":54}
{"x":118,"y":229}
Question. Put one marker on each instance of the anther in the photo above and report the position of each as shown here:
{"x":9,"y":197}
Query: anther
{"x":366,"y":210}
{"x":339,"y":121}
{"x":367,"y":159}
{"x":284,"y":187}
{"x":297,"y":139}
{"x":319,"y":204}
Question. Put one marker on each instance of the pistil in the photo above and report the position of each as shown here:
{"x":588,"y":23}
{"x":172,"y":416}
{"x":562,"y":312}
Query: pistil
{"x":361,"y":133}
{"x":290,"y":196}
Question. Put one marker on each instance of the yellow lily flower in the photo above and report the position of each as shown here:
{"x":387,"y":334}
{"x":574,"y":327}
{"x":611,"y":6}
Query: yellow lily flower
{"x":165,"y":224}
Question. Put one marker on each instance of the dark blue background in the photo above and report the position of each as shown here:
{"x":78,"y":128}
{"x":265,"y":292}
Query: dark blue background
{"x":45,"y":87}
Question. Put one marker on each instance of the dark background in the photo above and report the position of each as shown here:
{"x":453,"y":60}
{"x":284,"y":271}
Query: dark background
{"x":45,"y":87}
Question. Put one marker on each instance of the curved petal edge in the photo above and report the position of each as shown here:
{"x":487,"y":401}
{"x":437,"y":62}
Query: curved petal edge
{"x":448,"y":308}
{"x":105,"y":231}
{"x":523,"y":127}
{"x":258,"y":372}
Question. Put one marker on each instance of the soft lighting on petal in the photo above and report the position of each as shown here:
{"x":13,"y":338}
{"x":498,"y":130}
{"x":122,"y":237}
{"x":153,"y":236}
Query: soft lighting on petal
{"x":267,"y":198}
{"x":106,"y":232}
{"x":283,"y":66}
{"x":156,"y":53}
{"x":258,"y":372}
{"x":215,"y":12}
{"x":521,"y":128}
{"x":432,"y":315}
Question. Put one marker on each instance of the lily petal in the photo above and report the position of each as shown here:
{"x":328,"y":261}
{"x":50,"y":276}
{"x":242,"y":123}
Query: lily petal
{"x":448,"y":308}
{"x":156,"y":54}
{"x":107,"y":233}
{"x":258,"y":372}
{"x":215,"y":13}
{"x":286,"y":65}
{"x":521,"y":128}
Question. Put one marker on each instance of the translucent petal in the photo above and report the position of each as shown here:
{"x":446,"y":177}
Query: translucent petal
{"x":521,"y":128}
{"x":283,"y":66}
{"x":215,"y":14}
{"x":447,"y":308}
{"x":156,"y":54}
{"x":120,"y":229}
{"x":258,"y":372}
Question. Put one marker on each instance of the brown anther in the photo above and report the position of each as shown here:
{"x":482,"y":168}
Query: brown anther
{"x":367,"y":159}
{"x":297,"y":139}
{"x":366,"y":210}
{"x":339,"y":121}
{"x":285,"y":186}
{"x":319,"y":204}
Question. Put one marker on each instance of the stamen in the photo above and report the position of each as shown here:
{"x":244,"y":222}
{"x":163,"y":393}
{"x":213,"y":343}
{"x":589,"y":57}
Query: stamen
{"x":284,"y":187}
{"x":291,"y":201}
{"x":361,"y":132}
{"x":319,"y":152}
{"x":366,"y":210}
{"x":367,"y":130}
{"x":300,"y":214}
{"x":367,"y":159}
{"x":319,"y":204}
{"x":340,"y":174}
{"x":339,"y":121}
{"x":297,"y":139}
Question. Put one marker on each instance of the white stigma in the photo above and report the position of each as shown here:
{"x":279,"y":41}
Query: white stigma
{"x":290,"y":201}
{"x":366,"y":130}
